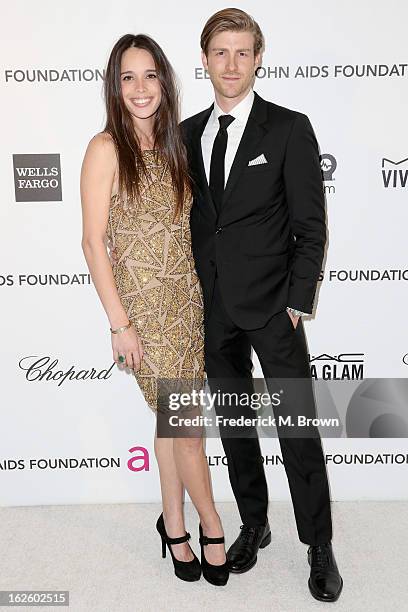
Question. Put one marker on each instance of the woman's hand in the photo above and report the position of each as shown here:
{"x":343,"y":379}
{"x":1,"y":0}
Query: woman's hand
{"x":130,"y":346}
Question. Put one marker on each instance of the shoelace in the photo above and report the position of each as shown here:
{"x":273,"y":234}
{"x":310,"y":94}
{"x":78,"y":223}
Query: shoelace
{"x":320,"y":556}
{"x":248,"y":533}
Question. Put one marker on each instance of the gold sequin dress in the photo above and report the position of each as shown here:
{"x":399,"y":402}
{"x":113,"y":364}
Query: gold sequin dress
{"x":157,"y":282}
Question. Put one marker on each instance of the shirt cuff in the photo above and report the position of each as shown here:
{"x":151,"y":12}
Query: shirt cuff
{"x":296,"y":313}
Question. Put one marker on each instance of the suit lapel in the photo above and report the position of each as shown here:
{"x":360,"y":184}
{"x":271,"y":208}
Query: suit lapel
{"x":253,"y":133}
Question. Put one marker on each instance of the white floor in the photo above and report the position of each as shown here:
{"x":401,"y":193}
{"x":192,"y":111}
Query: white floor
{"x":109,"y":558}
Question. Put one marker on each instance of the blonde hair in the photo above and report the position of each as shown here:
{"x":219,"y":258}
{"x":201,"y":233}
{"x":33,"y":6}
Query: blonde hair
{"x":231,"y":20}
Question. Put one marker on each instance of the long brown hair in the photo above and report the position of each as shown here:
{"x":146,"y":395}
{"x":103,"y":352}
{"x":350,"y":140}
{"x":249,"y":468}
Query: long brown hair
{"x":166,"y":131}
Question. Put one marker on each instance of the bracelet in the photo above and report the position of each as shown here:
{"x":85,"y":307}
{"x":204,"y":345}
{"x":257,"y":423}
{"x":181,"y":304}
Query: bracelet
{"x":119,"y":330}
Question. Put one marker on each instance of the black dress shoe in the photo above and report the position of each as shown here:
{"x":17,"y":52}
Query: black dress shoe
{"x":215,"y":574}
{"x":242,"y":555}
{"x":185,"y":570}
{"x":325,"y":582}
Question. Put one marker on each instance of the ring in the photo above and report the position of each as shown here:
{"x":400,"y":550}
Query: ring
{"x":121,"y":359}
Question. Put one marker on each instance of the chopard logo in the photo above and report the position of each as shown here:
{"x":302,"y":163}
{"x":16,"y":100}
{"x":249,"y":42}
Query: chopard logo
{"x":44,"y":369}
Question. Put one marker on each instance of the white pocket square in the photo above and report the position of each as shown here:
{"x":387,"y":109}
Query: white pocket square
{"x":261,"y":159}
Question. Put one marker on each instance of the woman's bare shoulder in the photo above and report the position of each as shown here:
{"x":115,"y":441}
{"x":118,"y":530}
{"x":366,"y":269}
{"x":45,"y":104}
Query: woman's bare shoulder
{"x":103,"y":143}
{"x":101,"y":151}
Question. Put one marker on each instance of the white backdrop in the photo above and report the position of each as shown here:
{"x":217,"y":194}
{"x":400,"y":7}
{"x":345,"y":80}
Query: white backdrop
{"x":356,"y":98}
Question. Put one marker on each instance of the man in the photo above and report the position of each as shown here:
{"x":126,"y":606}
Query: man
{"x":258,"y":236}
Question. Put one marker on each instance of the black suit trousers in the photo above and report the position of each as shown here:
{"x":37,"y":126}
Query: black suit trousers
{"x":282,"y":353}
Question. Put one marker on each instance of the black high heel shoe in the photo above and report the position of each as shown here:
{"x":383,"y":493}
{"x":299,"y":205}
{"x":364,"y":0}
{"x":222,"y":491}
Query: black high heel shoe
{"x":185,"y":570}
{"x":215,"y":574}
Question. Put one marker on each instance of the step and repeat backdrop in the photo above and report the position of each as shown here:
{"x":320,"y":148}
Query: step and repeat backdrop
{"x":75,"y":429}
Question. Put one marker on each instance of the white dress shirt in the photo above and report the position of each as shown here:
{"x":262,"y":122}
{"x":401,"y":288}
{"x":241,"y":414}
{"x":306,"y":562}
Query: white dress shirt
{"x":235,"y":130}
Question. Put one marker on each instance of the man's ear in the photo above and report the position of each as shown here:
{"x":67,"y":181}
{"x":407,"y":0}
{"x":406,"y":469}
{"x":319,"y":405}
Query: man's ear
{"x":258,"y":60}
{"x":204,"y":60}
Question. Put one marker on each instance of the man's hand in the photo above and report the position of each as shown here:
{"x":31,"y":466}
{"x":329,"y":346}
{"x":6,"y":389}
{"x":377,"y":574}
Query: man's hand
{"x":294,"y":319}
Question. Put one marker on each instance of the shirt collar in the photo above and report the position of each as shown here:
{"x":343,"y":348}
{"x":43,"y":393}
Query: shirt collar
{"x":240,"y":112}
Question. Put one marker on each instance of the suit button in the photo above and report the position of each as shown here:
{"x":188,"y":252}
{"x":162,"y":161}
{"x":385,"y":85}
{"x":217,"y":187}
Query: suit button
{"x":212,"y":263}
{"x":218,"y":230}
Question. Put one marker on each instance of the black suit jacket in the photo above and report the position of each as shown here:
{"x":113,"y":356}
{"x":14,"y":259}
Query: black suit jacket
{"x":267,"y":243}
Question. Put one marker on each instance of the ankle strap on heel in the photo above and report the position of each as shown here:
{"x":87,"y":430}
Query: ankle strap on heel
{"x":179,"y":540}
{"x":204,"y":540}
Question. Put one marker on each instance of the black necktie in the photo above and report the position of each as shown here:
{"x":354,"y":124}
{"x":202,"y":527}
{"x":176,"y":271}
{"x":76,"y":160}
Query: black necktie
{"x":217,"y":171}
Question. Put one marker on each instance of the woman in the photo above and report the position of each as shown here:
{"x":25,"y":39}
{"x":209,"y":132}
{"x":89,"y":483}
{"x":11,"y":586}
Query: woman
{"x":135,"y":188}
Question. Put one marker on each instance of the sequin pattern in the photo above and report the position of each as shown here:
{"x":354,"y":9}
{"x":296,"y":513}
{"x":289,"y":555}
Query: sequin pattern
{"x":157,"y":282}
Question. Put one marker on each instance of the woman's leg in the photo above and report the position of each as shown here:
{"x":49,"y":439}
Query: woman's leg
{"x":193,"y":471}
{"x":173,"y":497}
